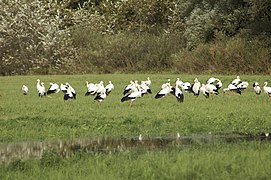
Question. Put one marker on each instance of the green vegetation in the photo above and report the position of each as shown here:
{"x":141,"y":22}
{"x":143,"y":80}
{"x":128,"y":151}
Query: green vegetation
{"x":99,"y":36}
{"x":220,"y":161}
{"x":30,"y":118}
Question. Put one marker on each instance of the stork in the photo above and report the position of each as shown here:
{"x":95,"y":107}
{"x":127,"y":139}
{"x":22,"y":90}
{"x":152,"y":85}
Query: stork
{"x":42,"y":90}
{"x":267,"y":90}
{"x":196,"y":87}
{"x":256,"y":88}
{"x":101,"y":95}
{"x":54,"y":88}
{"x":109,"y":87}
{"x":24,"y":89}
{"x":233,"y":88}
{"x":129,"y":87}
{"x":166,"y":90}
{"x":71,"y":91}
{"x":132,"y":96}
{"x":236,"y":81}
{"x":145,"y":88}
{"x":63,"y":88}
{"x":178,"y":94}
{"x":148,"y":82}
{"x":91,"y":88}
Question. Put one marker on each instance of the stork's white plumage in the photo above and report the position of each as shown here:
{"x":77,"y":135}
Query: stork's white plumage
{"x":233,"y":88}
{"x":91,"y":88}
{"x":178,"y":94}
{"x":42,"y":90}
{"x":196,"y":87}
{"x":186,"y":86}
{"x":71,"y":91}
{"x":257,"y":88}
{"x":211,"y":89}
{"x":218,"y":84}
{"x":204,"y":91}
{"x":242,"y":85}
{"x":164,"y":91}
{"x":38,"y":85}
{"x":109,"y":87}
{"x":267,"y":90}
{"x":132,"y":96}
{"x":101,"y":96}
{"x":54,"y":88}
{"x":68,"y":94}
{"x":24,"y":89}
{"x":148,"y":82}
{"x":166,"y":84}
{"x":63,"y":88}
{"x":128,"y":88}
{"x":211,"y":80}
{"x":178,"y":82}
{"x":236,"y":81}
{"x":101,"y":87}
{"x":145,"y":88}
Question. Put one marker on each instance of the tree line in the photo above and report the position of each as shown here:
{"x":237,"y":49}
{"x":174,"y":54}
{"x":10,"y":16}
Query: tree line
{"x":103,"y":36}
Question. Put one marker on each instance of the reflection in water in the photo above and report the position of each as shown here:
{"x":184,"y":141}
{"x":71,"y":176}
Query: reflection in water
{"x":66,"y":148}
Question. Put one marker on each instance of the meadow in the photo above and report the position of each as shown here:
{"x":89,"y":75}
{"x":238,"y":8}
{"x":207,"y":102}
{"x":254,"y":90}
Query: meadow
{"x":30,"y":118}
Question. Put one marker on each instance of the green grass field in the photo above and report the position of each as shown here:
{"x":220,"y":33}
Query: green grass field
{"x":29,"y":118}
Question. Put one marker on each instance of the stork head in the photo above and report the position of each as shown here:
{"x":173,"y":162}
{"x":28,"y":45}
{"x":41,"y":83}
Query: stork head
{"x":265,"y":83}
{"x":196,"y":80}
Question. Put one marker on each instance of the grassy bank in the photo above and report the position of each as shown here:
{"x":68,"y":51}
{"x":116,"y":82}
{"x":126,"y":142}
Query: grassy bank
{"x":215,"y":161}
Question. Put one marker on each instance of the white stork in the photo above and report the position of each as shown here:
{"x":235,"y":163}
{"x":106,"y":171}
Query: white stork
{"x":42,"y":90}
{"x":63,"y":88}
{"x":178,"y":82}
{"x":236,"y":81}
{"x":147,"y":82}
{"x":166,"y":84}
{"x":24,"y":89}
{"x":109,"y":87}
{"x":91,"y":88}
{"x":101,"y":87}
{"x":101,"y":96}
{"x":132,"y":96}
{"x":242,"y":85}
{"x":129,"y":87}
{"x":145,"y":88}
{"x":178,"y":94}
{"x":196,"y":87}
{"x":54,"y":88}
{"x":204,"y":91}
{"x":71,"y":91}
{"x":257,"y":88}
{"x":186,"y":86}
{"x":166,"y":90}
{"x":211,"y":89}
{"x":211,"y":80}
{"x":218,"y":83}
{"x":233,"y":88}
{"x":267,"y":90}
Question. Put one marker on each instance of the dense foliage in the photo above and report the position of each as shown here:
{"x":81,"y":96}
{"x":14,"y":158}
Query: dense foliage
{"x":86,"y":36}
